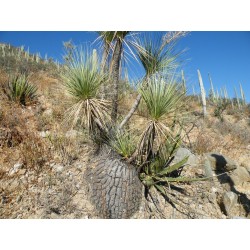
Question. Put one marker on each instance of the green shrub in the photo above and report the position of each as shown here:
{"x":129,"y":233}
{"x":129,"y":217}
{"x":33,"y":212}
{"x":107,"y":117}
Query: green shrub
{"x":221,"y":106}
{"x":20,"y":90}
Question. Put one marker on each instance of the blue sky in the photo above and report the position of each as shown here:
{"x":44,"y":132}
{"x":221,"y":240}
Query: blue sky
{"x":225,"y":55}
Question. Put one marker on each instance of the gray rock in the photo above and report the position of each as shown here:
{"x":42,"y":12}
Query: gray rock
{"x":183,"y":152}
{"x":44,"y":134}
{"x":239,"y":176}
{"x":55,"y":216}
{"x":207,"y":168}
{"x":229,"y":201}
{"x":48,"y":112}
{"x":221,"y":162}
{"x":58,"y":168}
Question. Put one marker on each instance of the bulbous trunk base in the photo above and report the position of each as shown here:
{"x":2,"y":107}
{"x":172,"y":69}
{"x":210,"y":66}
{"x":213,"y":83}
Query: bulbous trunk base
{"x":114,"y":187}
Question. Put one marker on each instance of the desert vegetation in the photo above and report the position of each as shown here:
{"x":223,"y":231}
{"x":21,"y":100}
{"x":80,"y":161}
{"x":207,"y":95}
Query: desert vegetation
{"x":79,"y":140}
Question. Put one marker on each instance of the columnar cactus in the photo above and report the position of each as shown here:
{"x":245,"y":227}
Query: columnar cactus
{"x":212,"y":88}
{"x":242,"y":95}
{"x":203,"y":94}
{"x":237,"y":98}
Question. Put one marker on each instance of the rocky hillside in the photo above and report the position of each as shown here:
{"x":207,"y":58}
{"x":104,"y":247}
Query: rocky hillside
{"x":43,"y":160}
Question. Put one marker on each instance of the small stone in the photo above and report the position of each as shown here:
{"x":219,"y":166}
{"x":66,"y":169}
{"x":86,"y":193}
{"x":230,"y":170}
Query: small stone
{"x":15,"y":168}
{"x":44,"y":134}
{"x":48,"y":112}
{"x":55,"y":216}
{"x":229,"y":201}
{"x":19,"y":198}
{"x":79,"y":166}
{"x":14,"y":185}
{"x":22,"y":172}
{"x":58,"y":168}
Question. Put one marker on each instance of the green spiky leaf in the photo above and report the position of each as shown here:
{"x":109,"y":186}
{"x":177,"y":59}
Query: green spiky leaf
{"x":181,"y":179}
{"x":174,"y":167}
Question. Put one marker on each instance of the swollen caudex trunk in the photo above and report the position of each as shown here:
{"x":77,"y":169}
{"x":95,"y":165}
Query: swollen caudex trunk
{"x":114,"y":187}
{"x":203,"y":94}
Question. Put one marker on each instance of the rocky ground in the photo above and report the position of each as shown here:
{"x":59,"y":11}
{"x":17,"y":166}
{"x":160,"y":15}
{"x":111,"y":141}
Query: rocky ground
{"x":43,"y":164}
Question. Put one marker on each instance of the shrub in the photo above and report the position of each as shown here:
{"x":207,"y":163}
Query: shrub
{"x":82,"y":80}
{"x":221,"y":106}
{"x":19,"y":90}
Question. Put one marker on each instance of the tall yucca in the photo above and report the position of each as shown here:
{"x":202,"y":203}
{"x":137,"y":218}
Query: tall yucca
{"x":163,"y":99}
{"x":82,"y":80}
{"x":157,"y":56}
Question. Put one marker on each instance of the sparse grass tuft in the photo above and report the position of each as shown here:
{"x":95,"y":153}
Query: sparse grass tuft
{"x":123,"y":143}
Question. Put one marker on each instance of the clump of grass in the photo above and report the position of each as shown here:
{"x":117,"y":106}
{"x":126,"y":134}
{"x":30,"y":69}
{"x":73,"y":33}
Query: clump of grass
{"x":221,"y":106}
{"x":18,"y":89}
{"x":12,"y":127}
{"x":35,"y":153}
{"x":123,"y":143}
{"x":204,"y":144}
{"x":66,"y":148}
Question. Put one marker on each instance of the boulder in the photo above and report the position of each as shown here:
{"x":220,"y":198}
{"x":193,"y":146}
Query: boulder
{"x":221,"y":162}
{"x":243,"y":188}
{"x":239,"y":176}
{"x":229,"y":201}
{"x":183,"y":152}
{"x":207,"y":168}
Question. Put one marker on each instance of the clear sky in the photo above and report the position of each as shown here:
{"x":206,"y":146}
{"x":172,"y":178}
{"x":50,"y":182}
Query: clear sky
{"x":225,"y":55}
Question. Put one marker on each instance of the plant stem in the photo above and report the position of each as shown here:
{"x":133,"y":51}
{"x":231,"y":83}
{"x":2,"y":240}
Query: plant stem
{"x":115,"y":77}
